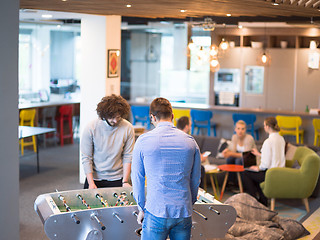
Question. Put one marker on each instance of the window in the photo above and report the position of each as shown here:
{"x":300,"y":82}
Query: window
{"x":25,"y":66}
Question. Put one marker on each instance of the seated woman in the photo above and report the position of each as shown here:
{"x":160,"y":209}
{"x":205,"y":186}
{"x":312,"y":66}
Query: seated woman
{"x":240,"y":142}
{"x":272,"y":155}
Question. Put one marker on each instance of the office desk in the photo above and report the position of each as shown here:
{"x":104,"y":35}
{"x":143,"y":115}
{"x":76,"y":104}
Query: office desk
{"x":25,"y":131}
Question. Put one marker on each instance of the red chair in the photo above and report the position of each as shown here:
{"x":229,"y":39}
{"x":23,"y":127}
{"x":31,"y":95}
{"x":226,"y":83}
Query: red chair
{"x":65,"y":115}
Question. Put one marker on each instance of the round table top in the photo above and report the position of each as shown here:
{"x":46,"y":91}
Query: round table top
{"x":231,"y":168}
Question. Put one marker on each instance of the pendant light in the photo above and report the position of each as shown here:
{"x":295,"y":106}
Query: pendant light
{"x":191,"y":44}
{"x":265,"y":58}
{"x":214,"y":62}
{"x":224,"y":45}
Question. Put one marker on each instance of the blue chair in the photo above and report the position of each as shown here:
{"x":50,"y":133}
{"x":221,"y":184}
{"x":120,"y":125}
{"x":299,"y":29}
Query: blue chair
{"x":201,"y":119}
{"x":141,"y":114}
{"x":249,"y":119}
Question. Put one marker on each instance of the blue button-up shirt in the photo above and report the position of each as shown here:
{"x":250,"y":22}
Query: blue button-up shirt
{"x":170,"y":160}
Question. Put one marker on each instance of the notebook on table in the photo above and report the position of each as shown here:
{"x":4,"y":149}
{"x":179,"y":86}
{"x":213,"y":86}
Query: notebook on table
{"x":249,"y":159}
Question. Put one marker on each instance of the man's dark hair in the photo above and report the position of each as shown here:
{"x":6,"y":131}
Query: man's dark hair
{"x":112,"y":106}
{"x":183,"y":122}
{"x":161,"y":108}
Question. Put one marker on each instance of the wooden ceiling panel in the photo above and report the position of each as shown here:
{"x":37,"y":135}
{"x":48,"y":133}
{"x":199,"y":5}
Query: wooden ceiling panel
{"x":171,"y":8}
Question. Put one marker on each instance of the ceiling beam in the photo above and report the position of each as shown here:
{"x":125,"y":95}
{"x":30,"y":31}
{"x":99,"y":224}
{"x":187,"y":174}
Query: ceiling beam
{"x":310,"y":3}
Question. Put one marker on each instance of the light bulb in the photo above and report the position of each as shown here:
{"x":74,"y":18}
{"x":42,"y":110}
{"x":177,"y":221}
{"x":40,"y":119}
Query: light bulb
{"x":264,"y":58}
{"x":191,"y":45}
{"x":224,"y":45}
{"x":313,"y":45}
{"x":201,"y":52}
{"x":213,"y":51}
{"x":214,"y":63}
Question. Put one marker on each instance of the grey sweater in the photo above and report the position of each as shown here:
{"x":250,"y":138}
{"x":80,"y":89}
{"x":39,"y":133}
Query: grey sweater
{"x":104,"y":149}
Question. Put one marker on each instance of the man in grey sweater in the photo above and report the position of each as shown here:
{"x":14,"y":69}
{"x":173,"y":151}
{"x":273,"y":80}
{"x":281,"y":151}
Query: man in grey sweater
{"x":106,"y":145}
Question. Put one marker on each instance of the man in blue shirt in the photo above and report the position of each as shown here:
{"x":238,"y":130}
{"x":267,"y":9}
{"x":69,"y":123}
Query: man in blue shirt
{"x":170,"y":161}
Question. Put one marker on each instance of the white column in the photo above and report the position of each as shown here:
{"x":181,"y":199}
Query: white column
{"x":98,"y":34}
{"x":9,"y":170}
{"x":41,"y":59}
{"x":180,"y":34}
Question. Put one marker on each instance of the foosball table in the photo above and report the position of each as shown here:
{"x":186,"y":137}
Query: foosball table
{"x":111,"y":213}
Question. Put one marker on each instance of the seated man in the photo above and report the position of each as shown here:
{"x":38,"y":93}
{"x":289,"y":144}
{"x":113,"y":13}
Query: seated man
{"x":184,"y":124}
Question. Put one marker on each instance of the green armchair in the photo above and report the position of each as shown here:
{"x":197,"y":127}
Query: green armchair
{"x":293,"y":183}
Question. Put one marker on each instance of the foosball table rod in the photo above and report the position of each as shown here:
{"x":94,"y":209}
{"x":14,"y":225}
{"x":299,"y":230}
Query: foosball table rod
{"x":95,"y":217}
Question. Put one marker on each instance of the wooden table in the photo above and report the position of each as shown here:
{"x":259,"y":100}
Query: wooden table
{"x":25,"y":131}
{"x":231,"y":168}
{"x":214,"y":181}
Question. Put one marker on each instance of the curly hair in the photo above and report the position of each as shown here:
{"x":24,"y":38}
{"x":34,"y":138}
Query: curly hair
{"x":112,"y":106}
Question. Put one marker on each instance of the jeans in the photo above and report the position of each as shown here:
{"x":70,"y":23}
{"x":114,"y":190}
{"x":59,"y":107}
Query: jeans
{"x":156,"y":228}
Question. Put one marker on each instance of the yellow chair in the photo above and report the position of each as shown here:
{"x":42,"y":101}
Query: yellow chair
{"x":290,"y":125}
{"x":27,"y":119}
{"x":316,"y":125}
{"x":178,"y":113}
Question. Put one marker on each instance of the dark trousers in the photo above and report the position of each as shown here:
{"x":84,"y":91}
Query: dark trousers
{"x":251,"y":184}
{"x":203,"y":172}
{"x":104,"y":183}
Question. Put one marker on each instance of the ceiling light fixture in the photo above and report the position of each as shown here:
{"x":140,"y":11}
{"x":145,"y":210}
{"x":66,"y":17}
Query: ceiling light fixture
{"x":46,"y":16}
{"x":63,"y":0}
{"x":128,"y":6}
{"x":182,"y":10}
{"x":207,"y":24}
{"x":275,"y":4}
{"x":228,"y":14}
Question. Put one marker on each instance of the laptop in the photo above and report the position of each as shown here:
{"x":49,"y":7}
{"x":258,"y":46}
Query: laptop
{"x":249,"y":159}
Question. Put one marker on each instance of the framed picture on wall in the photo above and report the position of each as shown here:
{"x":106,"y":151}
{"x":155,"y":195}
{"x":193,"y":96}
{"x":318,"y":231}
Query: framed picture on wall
{"x":113,"y":63}
{"x":254,"y":79}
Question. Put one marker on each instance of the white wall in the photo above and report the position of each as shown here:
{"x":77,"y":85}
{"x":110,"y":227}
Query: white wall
{"x":145,"y":75}
{"x":98,"y":33}
{"x":113,"y":41}
{"x":9,"y":171}
{"x":288,"y":82}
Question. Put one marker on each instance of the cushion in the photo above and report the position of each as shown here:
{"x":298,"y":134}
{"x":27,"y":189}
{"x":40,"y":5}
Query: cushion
{"x":290,"y":150}
{"x":222,"y":146}
{"x":211,"y":144}
{"x":249,"y":208}
{"x":292,"y":229}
